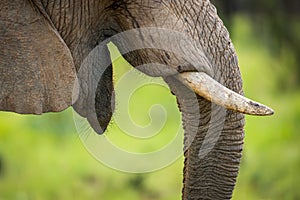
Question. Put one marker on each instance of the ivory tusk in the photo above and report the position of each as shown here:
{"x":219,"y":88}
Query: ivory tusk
{"x":208,"y":88}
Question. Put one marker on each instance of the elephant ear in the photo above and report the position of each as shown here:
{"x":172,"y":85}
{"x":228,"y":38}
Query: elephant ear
{"x":36,"y":67}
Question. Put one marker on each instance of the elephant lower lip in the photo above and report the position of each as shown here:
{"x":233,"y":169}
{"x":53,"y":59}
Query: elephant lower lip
{"x":94,"y":123}
{"x":205,"y":86}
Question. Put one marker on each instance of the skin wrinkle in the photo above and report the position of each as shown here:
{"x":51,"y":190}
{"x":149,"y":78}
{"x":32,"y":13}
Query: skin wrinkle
{"x":181,"y":11}
{"x":52,"y":10}
{"x":64,"y":17}
{"x":60,"y":24}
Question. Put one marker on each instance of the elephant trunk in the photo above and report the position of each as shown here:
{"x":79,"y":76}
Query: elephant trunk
{"x":212,"y":148}
{"x":212,"y":157}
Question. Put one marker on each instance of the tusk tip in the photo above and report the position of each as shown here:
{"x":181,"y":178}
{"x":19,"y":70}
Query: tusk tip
{"x":261,"y":110}
{"x":268,"y":112}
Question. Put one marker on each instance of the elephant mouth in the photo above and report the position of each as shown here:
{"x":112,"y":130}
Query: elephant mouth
{"x":210,"y":89}
{"x":95,"y":98}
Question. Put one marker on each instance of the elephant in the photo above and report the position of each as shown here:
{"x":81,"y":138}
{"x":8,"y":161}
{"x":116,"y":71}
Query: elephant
{"x":45,"y":43}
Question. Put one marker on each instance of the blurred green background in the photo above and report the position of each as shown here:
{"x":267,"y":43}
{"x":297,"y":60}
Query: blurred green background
{"x":42,"y":157}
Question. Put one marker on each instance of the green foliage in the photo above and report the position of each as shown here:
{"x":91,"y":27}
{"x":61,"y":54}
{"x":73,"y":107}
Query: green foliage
{"x":271,"y":159}
{"x":40,"y":164}
{"x":43,"y":158}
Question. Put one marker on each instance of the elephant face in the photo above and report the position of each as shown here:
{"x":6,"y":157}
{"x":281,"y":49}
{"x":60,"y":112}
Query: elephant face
{"x":46,"y":44}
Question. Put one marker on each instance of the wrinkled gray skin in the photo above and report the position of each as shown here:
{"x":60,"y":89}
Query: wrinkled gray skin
{"x":44,"y":42}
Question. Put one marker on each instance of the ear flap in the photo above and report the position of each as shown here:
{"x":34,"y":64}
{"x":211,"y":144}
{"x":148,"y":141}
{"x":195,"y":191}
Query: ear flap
{"x":36,"y":67}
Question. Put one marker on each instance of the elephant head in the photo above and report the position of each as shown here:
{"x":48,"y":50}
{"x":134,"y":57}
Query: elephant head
{"x":46,"y":44}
